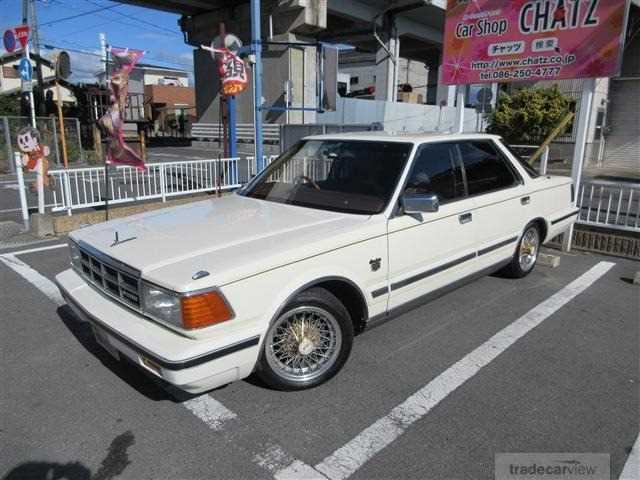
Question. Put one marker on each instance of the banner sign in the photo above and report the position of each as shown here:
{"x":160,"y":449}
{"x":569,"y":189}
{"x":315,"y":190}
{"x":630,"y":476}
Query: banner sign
{"x":232,"y":70}
{"x":123,"y":60}
{"x":530,"y":40}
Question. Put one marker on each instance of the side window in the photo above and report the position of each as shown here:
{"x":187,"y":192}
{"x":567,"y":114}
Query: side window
{"x":486,"y":170}
{"x":436,"y":170}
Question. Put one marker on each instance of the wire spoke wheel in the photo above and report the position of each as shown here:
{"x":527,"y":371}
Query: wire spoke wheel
{"x":529,"y":248}
{"x":303,"y":343}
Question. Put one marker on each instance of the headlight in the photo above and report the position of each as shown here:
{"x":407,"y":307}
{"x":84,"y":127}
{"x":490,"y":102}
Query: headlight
{"x":161,"y":304}
{"x":74,"y":253}
{"x":189,"y":311}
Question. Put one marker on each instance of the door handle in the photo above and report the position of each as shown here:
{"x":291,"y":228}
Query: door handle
{"x":465,"y":218}
{"x":525,"y":200}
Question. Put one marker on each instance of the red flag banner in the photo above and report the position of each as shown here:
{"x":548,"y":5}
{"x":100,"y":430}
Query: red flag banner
{"x":118,"y":152}
{"x":232,"y":70}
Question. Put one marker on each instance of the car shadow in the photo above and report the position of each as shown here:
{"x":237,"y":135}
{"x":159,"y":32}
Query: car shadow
{"x":151,"y":387}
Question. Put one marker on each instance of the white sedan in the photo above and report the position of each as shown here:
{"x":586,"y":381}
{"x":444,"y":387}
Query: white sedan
{"x":337,"y":233}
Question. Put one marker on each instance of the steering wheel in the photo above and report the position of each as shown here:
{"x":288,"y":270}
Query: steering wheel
{"x":310,"y":180}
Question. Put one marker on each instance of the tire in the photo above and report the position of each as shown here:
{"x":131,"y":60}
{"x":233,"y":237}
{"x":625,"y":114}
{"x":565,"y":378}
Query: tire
{"x":292,"y":360}
{"x":526,"y":255}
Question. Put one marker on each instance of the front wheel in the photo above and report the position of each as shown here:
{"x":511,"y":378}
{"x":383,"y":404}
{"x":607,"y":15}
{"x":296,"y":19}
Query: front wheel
{"x":526,"y":255}
{"x":308,"y":343}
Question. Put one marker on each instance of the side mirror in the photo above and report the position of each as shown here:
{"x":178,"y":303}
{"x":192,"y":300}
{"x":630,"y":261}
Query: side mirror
{"x":416,"y":203}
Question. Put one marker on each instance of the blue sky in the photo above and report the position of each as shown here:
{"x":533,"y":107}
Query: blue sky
{"x":125,"y":25}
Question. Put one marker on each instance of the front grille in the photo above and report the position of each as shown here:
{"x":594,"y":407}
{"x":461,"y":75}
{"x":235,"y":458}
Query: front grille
{"x":111,"y":278}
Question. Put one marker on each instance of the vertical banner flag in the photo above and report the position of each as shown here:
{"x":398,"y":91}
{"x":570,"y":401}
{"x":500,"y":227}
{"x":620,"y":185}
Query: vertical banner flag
{"x":118,"y":152}
{"x":531,"y":40}
{"x":232,"y":70}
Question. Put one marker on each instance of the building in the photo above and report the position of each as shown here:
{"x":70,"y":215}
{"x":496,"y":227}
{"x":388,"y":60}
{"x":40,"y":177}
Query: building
{"x":622,"y":120}
{"x":147,"y":74}
{"x":10,"y":82}
{"x":160,"y":96}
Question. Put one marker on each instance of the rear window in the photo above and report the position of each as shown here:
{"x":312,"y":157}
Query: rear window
{"x":532,"y":172}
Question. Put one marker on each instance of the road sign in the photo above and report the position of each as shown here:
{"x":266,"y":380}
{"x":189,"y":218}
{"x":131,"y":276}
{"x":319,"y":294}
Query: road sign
{"x":14,"y":36}
{"x":26,"y":86}
{"x":9,"y":40}
{"x":22,"y":33}
{"x":26,"y":70}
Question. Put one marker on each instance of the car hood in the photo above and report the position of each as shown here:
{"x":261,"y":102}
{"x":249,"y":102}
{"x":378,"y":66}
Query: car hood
{"x":230,"y":237}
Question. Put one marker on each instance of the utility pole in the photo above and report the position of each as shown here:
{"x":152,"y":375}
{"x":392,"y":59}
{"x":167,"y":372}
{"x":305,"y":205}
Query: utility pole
{"x":256,"y":44}
{"x":36,"y":50}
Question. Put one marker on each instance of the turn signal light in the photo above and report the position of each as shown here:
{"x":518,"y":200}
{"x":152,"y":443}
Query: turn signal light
{"x":204,"y":310}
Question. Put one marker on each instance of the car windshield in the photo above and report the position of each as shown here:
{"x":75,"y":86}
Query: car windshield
{"x":351,"y":176}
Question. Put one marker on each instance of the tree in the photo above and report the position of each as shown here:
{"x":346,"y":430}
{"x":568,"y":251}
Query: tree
{"x":529,"y":115}
{"x":10,"y":105}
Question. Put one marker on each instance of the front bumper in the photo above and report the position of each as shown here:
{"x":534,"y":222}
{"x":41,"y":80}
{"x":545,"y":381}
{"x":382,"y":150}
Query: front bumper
{"x":193,"y":365}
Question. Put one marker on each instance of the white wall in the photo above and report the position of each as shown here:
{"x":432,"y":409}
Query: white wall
{"x":398,"y":117}
{"x":157,"y":79}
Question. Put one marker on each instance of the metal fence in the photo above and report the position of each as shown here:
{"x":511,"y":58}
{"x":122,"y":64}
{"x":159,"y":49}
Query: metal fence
{"x":610,"y":205}
{"x":50,"y":136}
{"x":80,"y":188}
{"x":244,"y":131}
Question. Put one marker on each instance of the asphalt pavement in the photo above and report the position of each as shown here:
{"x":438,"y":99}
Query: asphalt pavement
{"x":548,"y":363}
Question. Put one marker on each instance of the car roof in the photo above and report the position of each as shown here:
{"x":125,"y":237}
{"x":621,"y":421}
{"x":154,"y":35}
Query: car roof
{"x":385,"y":136}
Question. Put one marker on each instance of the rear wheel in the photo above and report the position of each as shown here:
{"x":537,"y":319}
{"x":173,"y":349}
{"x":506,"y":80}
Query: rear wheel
{"x":308,"y":343}
{"x":526,"y":255}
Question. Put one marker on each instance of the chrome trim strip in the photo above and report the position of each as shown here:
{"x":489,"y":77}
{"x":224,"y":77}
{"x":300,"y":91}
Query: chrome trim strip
{"x":433,"y":271}
{"x":379,"y":292}
{"x":497,"y":246}
{"x":441,"y":268}
{"x":382,"y":318}
{"x":553,"y":222}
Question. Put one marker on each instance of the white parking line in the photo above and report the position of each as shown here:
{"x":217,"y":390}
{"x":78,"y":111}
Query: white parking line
{"x":631,"y":470}
{"x":209,"y":410}
{"x":34,"y":250}
{"x":39,"y":281}
{"x":345,"y":461}
{"x":274,"y":459}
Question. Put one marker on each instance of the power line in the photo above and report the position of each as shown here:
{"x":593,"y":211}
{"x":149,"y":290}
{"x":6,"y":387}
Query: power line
{"x":125,"y":15}
{"x":185,"y":66}
{"x":71,"y":17}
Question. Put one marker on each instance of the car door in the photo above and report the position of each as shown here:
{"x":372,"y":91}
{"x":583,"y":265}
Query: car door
{"x":500,"y":200}
{"x":430,"y":250}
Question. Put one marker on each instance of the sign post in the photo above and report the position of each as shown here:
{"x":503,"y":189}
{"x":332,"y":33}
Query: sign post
{"x":586,"y":102}
{"x":460,"y":98}
{"x":22,"y":190}
{"x":21,"y":34}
